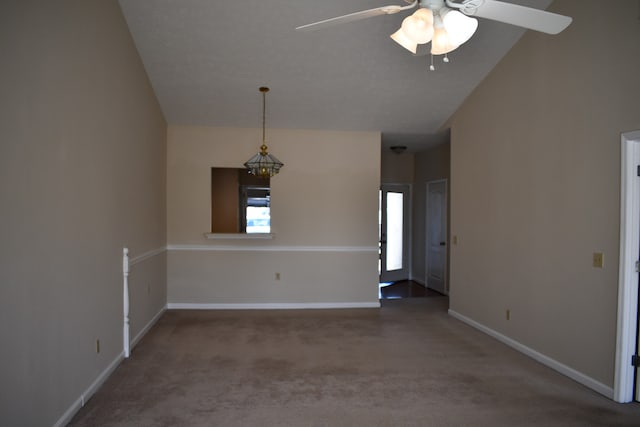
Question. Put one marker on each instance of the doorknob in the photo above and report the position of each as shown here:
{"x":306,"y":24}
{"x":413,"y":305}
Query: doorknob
{"x":442,"y":243}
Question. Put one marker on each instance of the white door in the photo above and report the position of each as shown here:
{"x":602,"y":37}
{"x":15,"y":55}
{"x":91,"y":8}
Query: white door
{"x":436,"y":250}
{"x":394,"y":232}
{"x":628,"y":323}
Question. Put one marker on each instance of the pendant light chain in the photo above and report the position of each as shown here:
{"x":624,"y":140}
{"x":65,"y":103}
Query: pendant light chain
{"x":264,"y":91}
{"x":263,"y":164}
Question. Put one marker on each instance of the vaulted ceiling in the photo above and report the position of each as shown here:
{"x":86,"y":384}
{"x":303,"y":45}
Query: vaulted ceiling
{"x":206,"y":60}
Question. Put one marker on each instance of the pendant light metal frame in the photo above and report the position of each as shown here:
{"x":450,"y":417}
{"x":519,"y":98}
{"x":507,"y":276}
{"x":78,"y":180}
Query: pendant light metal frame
{"x":263,"y":164}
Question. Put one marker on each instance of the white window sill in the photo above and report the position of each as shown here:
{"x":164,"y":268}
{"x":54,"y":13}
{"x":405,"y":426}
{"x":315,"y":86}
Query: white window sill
{"x":239,"y":236}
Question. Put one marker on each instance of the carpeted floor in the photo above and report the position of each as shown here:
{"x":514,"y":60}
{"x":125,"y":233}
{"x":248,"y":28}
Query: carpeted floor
{"x":406,"y":364}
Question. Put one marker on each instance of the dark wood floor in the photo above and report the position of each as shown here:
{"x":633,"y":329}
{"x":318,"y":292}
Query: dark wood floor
{"x":406,"y":289}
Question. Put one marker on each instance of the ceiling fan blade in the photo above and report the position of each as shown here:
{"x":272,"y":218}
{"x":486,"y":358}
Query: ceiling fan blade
{"x":356,"y":16}
{"x":522,"y":16}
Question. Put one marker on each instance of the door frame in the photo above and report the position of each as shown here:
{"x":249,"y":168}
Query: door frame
{"x":446,"y":233}
{"x":626,"y":338}
{"x":406,"y":238}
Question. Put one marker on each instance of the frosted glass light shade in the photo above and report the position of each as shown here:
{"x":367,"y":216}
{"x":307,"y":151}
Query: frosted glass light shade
{"x":419,"y":26}
{"x":441,"y":43}
{"x":401,"y":38}
{"x":425,"y":15}
{"x":459,"y":26}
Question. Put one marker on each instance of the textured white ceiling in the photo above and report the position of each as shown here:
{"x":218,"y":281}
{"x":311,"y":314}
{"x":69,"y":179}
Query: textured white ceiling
{"x":207,"y":58}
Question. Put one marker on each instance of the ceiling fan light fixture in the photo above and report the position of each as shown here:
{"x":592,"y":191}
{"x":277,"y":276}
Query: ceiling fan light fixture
{"x":441,"y":42}
{"x":419,"y":26}
{"x":424,"y":14}
{"x":459,"y":26}
{"x":426,"y":23}
{"x":401,"y":38}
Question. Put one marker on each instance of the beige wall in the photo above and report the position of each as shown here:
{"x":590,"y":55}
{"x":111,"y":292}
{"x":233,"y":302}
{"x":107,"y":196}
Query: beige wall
{"x":82,"y":157}
{"x":324,"y":217}
{"x":396,"y":168}
{"x":535,"y":186}
{"x":430,"y":165}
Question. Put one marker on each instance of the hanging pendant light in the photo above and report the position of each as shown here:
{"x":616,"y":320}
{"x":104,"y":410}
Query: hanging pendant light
{"x":263,"y":164}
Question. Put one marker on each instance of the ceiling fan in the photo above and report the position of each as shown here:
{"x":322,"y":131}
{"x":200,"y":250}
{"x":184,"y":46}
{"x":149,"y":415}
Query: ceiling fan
{"x":449,"y":23}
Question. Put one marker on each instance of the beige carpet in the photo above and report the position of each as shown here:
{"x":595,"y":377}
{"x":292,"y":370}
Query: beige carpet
{"x":407,"y":364}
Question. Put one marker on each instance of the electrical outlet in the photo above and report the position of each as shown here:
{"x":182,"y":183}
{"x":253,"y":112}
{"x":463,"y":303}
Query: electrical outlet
{"x":97,"y":346}
{"x":598,"y":259}
{"x":455,"y":239}
{"x":277,"y":276}
{"x":508,"y":314}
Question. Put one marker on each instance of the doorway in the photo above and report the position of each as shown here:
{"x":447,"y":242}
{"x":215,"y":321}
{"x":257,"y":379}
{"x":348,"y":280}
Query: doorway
{"x":394,"y":220}
{"x":626,"y":382}
{"x":436,"y":238}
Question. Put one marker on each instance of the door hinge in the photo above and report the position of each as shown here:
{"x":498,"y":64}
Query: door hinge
{"x":637,"y":266}
{"x":635,"y":361}
{"x":638,"y":170}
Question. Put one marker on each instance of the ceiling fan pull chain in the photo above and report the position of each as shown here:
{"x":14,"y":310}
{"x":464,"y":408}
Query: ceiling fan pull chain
{"x":446,"y":58}
{"x":431,"y":67}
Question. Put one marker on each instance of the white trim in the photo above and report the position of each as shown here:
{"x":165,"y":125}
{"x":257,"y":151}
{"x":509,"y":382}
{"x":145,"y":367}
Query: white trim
{"x":126,"y":343}
{"x":84,"y":397}
{"x":627,"y":276}
{"x":146,"y":255}
{"x":97,"y":383}
{"x":239,"y":236}
{"x":545,"y":360}
{"x":272,"y":306}
{"x":272,"y":248}
{"x":148,"y":326}
{"x":128,"y":262}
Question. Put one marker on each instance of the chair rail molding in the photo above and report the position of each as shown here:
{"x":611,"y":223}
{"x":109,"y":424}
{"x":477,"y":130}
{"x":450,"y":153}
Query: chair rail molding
{"x":272,"y":248}
{"x":146,"y":255}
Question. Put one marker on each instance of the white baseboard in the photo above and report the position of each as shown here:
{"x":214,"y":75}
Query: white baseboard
{"x":86,"y":395}
{"x":146,"y":328}
{"x":579,"y":377}
{"x":272,"y":306}
{"x":95,"y":385}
